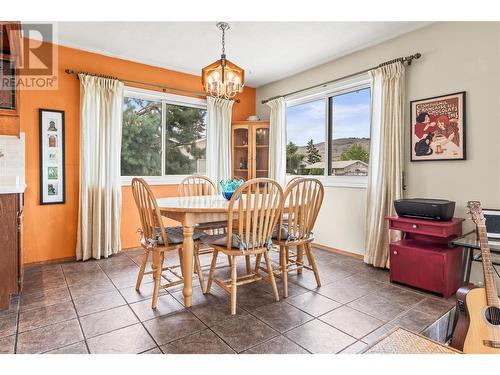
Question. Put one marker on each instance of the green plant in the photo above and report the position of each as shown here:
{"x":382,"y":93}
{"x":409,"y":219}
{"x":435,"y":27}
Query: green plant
{"x":312,"y":153}
{"x":355,"y":152}
{"x":293,"y":159}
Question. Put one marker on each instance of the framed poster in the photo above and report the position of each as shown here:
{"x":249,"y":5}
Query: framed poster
{"x":52,"y":174}
{"x":438,"y":128}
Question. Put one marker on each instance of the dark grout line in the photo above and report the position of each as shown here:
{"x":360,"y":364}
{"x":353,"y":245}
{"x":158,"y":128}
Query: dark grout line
{"x":224,"y":341}
{"x":76,"y":311}
{"x":147,"y":350}
{"x":133,"y":312}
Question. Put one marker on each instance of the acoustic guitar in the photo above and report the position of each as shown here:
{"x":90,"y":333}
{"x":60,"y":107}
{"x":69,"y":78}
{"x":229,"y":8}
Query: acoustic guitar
{"x":478,"y":325}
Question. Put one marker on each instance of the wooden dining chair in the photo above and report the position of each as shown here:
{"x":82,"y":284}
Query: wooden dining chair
{"x":303,"y":198}
{"x":202,"y":185}
{"x":293,"y":179}
{"x":257,"y":205}
{"x":156,"y":239}
{"x":197,"y":185}
{"x":285,"y":214}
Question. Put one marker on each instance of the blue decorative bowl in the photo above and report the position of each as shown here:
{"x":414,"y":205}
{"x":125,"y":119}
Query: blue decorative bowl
{"x":228,"y":187}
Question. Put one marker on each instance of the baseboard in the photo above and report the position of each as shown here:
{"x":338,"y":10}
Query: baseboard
{"x":68,"y":259}
{"x":338,"y":251}
{"x":129,"y":249}
{"x":50,"y":261}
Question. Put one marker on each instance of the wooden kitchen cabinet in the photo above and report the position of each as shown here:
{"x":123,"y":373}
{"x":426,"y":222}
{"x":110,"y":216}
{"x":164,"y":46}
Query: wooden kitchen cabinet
{"x":11,"y":246}
{"x":250,"y":149}
{"x":10,"y":58}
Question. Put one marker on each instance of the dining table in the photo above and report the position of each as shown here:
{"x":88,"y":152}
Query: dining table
{"x":190,"y":212}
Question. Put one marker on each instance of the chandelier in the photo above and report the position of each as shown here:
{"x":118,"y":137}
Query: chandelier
{"x":223,"y":79}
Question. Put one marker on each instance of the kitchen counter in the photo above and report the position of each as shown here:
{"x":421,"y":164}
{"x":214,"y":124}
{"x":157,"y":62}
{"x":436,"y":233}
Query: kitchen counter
{"x":12,"y":180}
{"x":12,"y":189}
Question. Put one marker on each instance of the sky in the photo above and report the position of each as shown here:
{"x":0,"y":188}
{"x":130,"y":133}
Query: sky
{"x":351,"y":118}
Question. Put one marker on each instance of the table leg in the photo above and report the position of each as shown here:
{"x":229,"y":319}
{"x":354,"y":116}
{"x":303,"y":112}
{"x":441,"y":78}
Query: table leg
{"x":156,"y":265}
{"x":187,"y":264}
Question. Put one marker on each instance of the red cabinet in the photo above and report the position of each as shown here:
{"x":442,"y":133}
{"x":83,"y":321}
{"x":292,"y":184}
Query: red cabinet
{"x":440,"y":229}
{"x":423,"y":259}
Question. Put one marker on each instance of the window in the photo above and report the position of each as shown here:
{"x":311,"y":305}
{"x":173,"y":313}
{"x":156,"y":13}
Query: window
{"x":350,"y":133}
{"x":185,"y":139}
{"x":162,"y":135}
{"x":340,"y":114}
{"x":305,"y":150}
{"x":141,"y":137}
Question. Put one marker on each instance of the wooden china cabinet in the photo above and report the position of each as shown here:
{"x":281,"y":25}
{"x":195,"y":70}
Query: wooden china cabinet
{"x":250,"y":149}
{"x":10,"y":40}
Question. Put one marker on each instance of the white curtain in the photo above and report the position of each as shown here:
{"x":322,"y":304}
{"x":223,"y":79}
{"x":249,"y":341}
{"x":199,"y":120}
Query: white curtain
{"x":99,"y":211}
{"x":277,"y":140}
{"x":386,"y":159}
{"x":219,"y":138}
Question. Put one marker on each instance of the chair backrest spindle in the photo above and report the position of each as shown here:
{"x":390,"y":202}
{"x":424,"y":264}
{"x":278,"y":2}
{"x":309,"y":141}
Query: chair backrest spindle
{"x":303,"y":198}
{"x":149,"y":213}
{"x":292,"y":180}
{"x":256,"y":206}
{"x":197,"y":185}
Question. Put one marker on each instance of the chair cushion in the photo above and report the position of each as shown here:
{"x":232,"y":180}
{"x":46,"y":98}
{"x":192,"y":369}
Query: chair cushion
{"x":213,"y":225}
{"x":175,"y":235}
{"x":236,"y":243}
{"x":286,"y":235}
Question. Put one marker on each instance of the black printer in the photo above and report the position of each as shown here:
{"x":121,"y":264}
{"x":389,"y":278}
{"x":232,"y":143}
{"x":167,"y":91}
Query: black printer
{"x":422,"y":208}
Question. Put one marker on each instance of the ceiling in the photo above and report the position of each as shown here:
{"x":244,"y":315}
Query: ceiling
{"x":268,"y":51}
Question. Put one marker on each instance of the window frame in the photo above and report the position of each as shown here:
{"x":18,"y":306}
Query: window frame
{"x":165,"y":99}
{"x":325,"y":93}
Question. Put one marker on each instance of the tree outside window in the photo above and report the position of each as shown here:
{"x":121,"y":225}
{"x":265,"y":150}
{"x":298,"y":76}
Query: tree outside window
{"x":183,"y":131}
{"x":185,"y":140}
{"x":141,"y":138}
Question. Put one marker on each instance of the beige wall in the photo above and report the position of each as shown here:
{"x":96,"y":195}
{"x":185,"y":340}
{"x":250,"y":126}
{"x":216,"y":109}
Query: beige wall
{"x":341,"y":221}
{"x":461,"y":56}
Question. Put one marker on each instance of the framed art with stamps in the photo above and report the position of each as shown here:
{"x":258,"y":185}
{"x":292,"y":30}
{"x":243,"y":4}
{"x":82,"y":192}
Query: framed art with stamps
{"x":52,"y":174}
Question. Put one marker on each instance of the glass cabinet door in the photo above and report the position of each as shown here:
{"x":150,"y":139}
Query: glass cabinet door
{"x":7,"y":89}
{"x":261,"y":157}
{"x":241,"y":167}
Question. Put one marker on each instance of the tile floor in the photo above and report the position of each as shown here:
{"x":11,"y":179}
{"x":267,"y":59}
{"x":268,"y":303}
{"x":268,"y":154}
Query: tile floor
{"x":93,"y":307}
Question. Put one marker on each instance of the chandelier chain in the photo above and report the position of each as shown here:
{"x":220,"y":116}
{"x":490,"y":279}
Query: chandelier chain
{"x":223,"y":41}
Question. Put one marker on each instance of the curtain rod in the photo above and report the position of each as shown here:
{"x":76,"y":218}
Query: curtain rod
{"x":407,"y":60}
{"x":163,"y":88}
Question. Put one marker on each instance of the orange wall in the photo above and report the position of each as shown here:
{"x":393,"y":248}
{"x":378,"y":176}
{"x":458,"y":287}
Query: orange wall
{"x":50,"y":230}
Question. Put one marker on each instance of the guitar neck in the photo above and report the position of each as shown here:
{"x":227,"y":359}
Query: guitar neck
{"x":489,"y":278}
